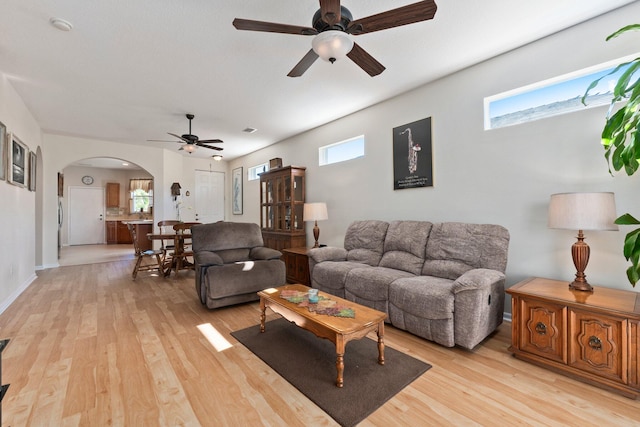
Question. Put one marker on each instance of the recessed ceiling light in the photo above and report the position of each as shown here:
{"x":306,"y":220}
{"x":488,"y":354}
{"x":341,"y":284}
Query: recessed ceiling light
{"x":61,"y":24}
{"x":125,"y":164}
{"x":250,"y":130}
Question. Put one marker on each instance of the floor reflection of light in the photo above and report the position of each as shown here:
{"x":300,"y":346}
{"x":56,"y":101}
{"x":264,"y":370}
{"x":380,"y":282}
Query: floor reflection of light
{"x":214,"y":337}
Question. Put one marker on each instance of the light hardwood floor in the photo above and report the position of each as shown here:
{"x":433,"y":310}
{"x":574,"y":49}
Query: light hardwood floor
{"x":91,"y":347}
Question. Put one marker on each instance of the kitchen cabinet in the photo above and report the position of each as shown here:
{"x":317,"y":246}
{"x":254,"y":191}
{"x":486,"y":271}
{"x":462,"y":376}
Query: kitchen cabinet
{"x":124,"y":236}
{"x":118,"y":233}
{"x":282,"y":193}
{"x":113,"y":195}
{"x":590,"y":336}
{"x":112,"y":232}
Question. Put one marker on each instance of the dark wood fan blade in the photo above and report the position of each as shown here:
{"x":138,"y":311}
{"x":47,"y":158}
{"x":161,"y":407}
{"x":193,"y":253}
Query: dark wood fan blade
{"x":365,"y":61}
{"x":211,"y":141}
{"x":416,"y":12}
{"x":272,"y":27}
{"x":330,"y":10}
{"x":304,"y":64}
{"x":200,"y":144}
{"x":179,"y":137}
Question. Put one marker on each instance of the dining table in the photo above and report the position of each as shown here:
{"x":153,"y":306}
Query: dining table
{"x":179,"y":239}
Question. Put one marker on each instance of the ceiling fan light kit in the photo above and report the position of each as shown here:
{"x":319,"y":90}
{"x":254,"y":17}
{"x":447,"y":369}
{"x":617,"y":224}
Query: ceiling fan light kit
{"x":333,"y":26}
{"x":332,"y":45}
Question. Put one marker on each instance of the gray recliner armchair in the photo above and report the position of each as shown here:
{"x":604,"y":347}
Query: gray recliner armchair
{"x":232,"y":264}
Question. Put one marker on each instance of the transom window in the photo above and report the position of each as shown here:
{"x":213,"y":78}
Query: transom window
{"x":341,"y":151}
{"x":559,"y":95}
{"x":253,"y":172}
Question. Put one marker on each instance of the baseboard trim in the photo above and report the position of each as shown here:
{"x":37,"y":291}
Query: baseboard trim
{"x":6,"y":303}
{"x":506,"y":317}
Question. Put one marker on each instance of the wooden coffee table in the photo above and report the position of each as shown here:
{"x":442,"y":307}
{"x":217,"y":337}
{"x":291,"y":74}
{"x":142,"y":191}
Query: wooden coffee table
{"x":338,"y":330}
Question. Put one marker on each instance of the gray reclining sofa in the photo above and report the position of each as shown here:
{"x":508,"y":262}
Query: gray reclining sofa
{"x":441,"y":281}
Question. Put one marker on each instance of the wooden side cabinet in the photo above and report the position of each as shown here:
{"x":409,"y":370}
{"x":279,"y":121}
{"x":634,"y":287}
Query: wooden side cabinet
{"x":297,"y":262}
{"x":590,"y":336}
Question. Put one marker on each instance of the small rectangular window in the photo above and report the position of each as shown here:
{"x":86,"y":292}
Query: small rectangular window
{"x":560,"y":95}
{"x":253,"y":172}
{"x":341,"y":151}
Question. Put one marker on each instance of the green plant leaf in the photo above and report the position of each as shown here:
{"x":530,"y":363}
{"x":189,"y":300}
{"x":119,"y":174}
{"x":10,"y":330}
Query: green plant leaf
{"x":626,"y":219}
{"x":632,"y":27}
{"x":630,"y":243}
{"x":633,"y":275}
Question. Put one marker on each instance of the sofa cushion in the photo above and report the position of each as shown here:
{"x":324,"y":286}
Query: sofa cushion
{"x":330,"y":276}
{"x":234,"y":255}
{"x":364,"y":241}
{"x":223,"y":235}
{"x":370,"y":286}
{"x":428,"y":297}
{"x":424,"y":306}
{"x":455,"y":248}
{"x":404,"y":245}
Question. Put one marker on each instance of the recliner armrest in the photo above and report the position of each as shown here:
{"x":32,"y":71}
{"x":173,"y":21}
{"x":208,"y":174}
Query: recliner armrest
{"x":327,"y":253}
{"x":262,"y":253}
{"x":478,"y":278}
{"x":207,"y":258}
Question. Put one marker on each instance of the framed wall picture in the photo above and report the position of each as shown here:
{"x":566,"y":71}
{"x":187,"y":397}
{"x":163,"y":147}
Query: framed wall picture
{"x":17,"y":158}
{"x":33,"y":159}
{"x":412,"y":162}
{"x":236,"y":189}
{"x":3,"y":152}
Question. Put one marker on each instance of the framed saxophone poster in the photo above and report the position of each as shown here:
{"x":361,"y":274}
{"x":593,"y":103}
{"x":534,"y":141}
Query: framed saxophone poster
{"x":412,"y":155}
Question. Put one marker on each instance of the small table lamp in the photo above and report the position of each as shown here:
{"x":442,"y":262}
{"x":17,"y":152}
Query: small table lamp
{"x":315,"y":212}
{"x":582,"y":211}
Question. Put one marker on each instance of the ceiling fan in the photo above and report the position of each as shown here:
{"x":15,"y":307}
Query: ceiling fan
{"x":192,"y":141}
{"x":333,"y":26}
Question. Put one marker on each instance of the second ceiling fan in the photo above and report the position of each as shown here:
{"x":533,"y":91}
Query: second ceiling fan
{"x":192,"y":141}
{"x":333,"y":25}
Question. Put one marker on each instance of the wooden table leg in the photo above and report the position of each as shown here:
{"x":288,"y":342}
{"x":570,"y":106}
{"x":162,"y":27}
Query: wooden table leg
{"x":263,"y":316}
{"x":340,"y":345}
{"x":381,"y":343}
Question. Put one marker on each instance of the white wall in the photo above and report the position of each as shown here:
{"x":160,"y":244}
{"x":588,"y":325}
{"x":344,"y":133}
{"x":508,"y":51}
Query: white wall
{"x":502,"y":176}
{"x":17,"y":205}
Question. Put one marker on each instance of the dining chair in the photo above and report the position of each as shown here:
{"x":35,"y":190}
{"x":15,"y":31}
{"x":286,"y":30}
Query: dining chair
{"x":148,"y":254}
{"x":166,"y":227}
{"x":183,"y":249}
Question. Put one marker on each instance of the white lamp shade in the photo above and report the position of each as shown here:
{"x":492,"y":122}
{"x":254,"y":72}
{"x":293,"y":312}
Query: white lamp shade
{"x":332,"y":44}
{"x":315,"y":212}
{"x":582,"y":211}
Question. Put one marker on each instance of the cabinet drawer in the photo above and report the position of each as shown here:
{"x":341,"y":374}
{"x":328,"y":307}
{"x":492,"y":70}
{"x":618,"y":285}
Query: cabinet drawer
{"x":542,"y":329}
{"x":597,"y":344}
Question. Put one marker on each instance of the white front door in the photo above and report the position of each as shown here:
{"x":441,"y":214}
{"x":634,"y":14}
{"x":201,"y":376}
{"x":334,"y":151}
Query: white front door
{"x":209,"y":202}
{"x":86,"y":215}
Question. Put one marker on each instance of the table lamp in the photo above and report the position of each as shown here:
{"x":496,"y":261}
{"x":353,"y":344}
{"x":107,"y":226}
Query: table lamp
{"x":582,"y":211}
{"x":315,"y":212}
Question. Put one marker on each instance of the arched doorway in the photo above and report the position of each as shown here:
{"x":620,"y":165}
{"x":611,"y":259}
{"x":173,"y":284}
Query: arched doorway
{"x":85,"y":178}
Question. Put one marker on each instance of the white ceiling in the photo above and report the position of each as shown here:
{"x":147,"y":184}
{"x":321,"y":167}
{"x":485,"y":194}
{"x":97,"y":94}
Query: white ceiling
{"x":130,"y":69}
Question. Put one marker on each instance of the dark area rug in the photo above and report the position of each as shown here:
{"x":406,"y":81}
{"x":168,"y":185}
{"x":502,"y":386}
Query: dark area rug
{"x":308,"y":363}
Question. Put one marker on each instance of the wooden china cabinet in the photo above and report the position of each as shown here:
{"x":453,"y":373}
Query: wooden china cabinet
{"x":590,"y":336}
{"x":282,"y":193}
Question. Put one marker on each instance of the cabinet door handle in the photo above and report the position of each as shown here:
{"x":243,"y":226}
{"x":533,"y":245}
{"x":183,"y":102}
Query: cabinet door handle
{"x":595,"y":343}
{"x":541,"y":328}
